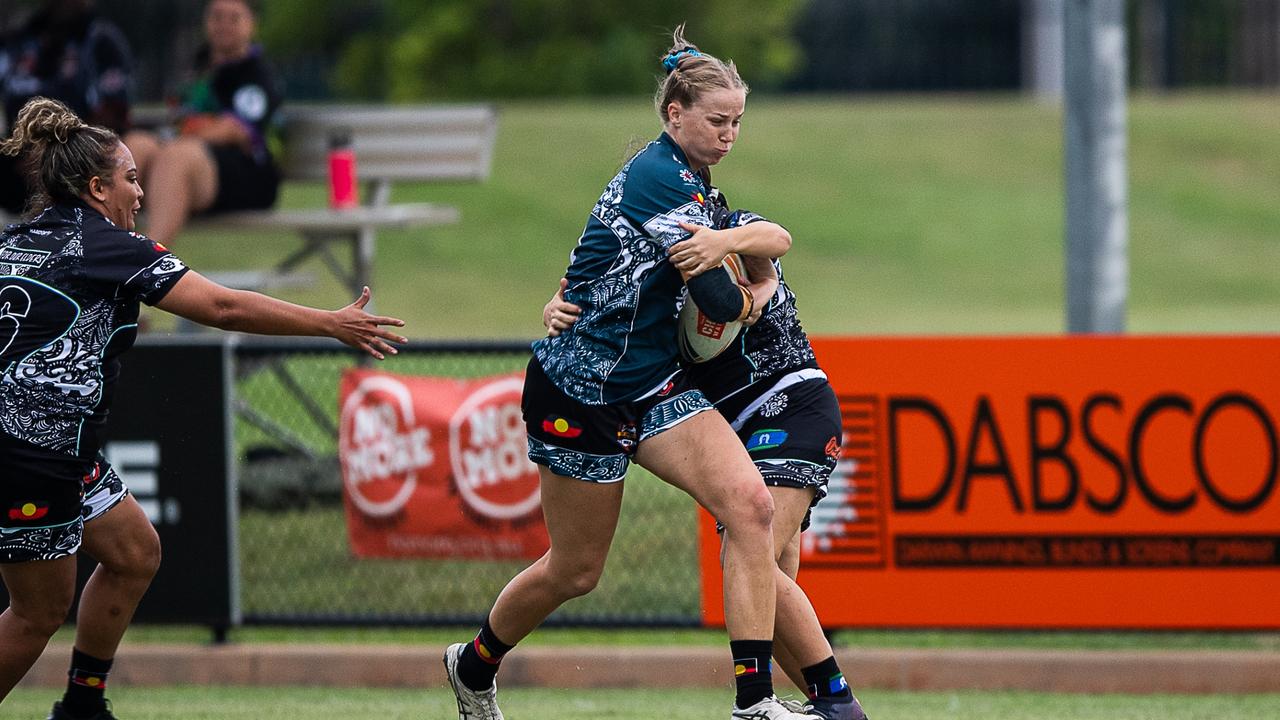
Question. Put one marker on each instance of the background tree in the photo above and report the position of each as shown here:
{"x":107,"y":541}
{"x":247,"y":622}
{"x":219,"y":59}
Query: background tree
{"x":404,"y":50}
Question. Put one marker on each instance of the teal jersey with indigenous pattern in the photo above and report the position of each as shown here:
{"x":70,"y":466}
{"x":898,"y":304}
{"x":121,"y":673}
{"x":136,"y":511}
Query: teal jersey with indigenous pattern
{"x":623,"y":344}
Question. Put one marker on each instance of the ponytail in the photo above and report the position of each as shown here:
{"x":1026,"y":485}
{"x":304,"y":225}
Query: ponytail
{"x":59,"y":152}
{"x":690,"y":73}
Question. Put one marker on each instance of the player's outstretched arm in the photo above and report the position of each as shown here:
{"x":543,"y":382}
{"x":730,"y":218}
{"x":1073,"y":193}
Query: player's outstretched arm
{"x":201,"y":300}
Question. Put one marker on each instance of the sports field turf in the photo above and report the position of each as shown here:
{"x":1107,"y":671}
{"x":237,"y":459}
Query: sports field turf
{"x":520,"y":704}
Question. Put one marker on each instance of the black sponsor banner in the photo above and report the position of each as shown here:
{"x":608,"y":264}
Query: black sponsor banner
{"x":169,"y":437}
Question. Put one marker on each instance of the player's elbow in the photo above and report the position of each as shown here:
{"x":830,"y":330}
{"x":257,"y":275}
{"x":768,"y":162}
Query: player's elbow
{"x":779,"y":240}
{"x":718,"y":297}
{"x":229,"y":311}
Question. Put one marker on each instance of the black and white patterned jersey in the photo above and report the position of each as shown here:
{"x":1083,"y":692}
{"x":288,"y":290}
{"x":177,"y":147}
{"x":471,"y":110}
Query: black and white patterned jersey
{"x":70,"y":285}
{"x":623,"y":344}
{"x":775,"y":347}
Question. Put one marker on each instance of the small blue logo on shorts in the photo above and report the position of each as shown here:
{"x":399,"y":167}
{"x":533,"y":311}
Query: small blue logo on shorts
{"x":766,"y":439}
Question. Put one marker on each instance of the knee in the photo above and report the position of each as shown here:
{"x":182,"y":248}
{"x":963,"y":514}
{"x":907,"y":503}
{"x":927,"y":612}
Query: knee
{"x":751,"y":512}
{"x":44,"y":615}
{"x":138,"y":557}
{"x":577,"y":579}
{"x":181,"y":155}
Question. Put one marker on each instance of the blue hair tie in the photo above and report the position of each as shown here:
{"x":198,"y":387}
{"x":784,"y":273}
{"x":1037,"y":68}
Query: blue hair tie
{"x":671,"y":61}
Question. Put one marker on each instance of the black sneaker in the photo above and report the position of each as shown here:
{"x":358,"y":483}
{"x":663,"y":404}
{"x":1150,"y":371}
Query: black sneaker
{"x":57,"y":713}
{"x":837,"y":708}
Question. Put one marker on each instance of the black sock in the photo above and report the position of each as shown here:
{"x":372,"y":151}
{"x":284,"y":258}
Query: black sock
{"x":825,"y":680}
{"x":86,"y":685}
{"x":480,"y":659}
{"x":752,"y":670}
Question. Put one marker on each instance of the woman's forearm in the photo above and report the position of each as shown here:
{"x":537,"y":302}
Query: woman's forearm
{"x":761,"y":239}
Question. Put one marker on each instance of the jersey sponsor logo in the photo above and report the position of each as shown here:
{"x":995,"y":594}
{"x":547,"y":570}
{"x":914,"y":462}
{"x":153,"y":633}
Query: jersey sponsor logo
{"x":561,"y":427}
{"x":774,"y":406}
{"x":766,"y":439}
{"x":627,"y":437}
{"x":833,"y":448}
{"x":28,"y":511}
{"x":250,"y":102}
{"x":29,"y":257}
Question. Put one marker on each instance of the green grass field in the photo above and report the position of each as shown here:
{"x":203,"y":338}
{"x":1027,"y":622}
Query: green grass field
{"x":939,"y":214}
{"x":335,"y":704}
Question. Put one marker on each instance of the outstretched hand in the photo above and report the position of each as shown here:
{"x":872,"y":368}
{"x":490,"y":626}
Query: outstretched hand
{"x":559,"y":314}
{"x":363,"y":331}
{"x":704,"y":249}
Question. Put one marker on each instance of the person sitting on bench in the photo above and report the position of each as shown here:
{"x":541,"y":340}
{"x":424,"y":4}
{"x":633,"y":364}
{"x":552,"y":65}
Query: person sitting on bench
{"x":221,"y":159}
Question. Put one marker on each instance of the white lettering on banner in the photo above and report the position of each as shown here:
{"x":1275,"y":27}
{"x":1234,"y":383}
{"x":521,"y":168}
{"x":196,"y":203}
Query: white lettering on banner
{"x":487,"y":448}
{"x":137,"y":463}
{"x":378,"y":442}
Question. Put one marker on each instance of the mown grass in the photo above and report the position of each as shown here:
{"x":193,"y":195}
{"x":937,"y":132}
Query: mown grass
{"x":910,"y":214}
{"x":230,"y":703}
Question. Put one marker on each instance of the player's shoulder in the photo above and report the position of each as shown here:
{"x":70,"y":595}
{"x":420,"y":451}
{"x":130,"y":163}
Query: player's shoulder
{"x":100,"y":231}
{"x":661,"y":165}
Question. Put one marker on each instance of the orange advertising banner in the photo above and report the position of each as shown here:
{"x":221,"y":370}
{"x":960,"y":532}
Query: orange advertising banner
{"x":437,"y":468}
{"x":1081,"y":482}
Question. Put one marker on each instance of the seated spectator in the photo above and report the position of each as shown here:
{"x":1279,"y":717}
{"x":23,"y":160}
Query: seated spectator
{"x":221,"y":158}
{"x":68,"y":53}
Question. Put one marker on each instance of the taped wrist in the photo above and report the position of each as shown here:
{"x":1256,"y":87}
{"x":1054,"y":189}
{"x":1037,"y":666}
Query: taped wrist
{"x":719,"y":297}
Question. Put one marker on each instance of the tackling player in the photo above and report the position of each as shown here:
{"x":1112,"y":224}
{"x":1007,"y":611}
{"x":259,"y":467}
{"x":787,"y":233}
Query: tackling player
{"x":769,"y":387}
{"x":71,"y":280}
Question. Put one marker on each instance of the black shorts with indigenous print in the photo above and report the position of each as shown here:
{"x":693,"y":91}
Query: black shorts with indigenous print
{"x":41,"y":492}
{"x":595,"y":443}
{"x":794,"y":436}
{"x":47,"y":496}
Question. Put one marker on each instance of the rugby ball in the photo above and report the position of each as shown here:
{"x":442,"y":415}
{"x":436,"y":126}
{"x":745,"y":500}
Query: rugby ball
{"x":699,"y":337}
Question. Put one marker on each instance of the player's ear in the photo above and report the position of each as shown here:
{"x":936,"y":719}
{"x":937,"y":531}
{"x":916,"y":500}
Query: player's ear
{"x":97,"y":189}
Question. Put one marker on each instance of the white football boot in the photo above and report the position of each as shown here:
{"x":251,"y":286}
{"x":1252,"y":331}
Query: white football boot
{"x":771,"y":708}
{"x":472,"y":704}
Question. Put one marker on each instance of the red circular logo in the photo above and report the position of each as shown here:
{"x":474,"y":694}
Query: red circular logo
{"x":380,"y":449}
{"x":488,"y":451}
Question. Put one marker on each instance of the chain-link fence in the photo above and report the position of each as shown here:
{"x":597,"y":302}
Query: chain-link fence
{"x":295,"y":563}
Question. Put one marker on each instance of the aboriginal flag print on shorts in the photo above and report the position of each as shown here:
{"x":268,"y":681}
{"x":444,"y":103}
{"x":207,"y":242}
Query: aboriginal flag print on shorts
{"x":561,"y":427}
{"x":28,"y":511}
